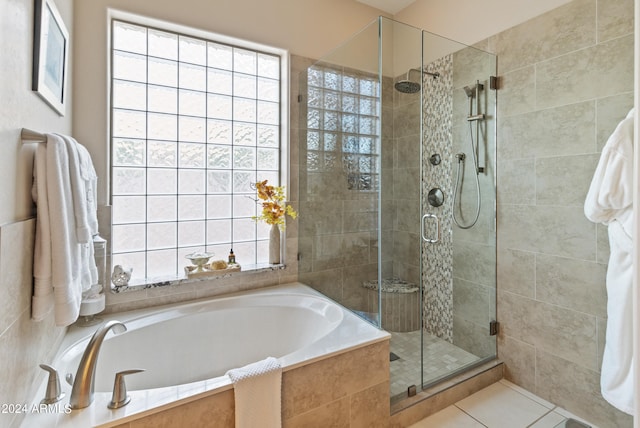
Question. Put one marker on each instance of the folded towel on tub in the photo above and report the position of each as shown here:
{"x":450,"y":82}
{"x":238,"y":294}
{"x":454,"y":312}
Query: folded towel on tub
{"x":257,"y":388}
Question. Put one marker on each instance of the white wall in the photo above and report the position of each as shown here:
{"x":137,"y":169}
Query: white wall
{"x":22,"y":107}
{"x":23,"y":343}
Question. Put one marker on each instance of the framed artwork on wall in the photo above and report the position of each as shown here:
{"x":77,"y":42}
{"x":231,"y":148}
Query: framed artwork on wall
{"x":50,"y":55}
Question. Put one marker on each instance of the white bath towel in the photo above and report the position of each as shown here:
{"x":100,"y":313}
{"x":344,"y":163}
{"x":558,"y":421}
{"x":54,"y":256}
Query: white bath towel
{"x":42,"y":300}
{"x":84,"y":180}
{"x":63,"y":266}
{"x":609,"y":201}
{"x":257,"y":389}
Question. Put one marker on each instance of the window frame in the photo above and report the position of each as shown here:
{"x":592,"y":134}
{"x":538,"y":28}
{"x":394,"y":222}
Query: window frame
{"x":208,"y":36}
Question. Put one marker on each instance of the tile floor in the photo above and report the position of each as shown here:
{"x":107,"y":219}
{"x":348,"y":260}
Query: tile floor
{"x":501,"y":405}
{"x":440,"y":358}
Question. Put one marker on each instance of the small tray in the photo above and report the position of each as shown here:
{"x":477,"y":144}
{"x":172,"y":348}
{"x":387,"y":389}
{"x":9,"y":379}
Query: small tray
{"x":190,"y":271}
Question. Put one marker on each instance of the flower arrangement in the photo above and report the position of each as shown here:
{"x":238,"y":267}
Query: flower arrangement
{"x":274,"y":207}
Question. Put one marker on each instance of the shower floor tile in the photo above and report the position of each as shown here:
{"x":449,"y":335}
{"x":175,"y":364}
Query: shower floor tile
{"x":440,"y":359}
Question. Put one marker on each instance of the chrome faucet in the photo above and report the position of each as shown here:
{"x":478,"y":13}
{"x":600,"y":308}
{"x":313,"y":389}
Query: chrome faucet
{"x":84,"y":382}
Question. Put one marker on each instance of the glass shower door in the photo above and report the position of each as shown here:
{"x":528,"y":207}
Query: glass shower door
{"x":458,"y":208}
{"x":340,"y":181}
{"x":396,"y":136}
{"x":400,"y":203}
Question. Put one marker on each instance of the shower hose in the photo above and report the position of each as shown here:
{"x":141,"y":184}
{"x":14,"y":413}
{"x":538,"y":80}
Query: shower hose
{"x":457,"y":195}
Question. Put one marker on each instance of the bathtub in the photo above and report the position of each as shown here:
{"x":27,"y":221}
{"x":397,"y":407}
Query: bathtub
{"x":185,"y":349}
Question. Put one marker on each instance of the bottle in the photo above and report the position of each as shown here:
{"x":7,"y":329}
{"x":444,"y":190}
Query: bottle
{"x":232,"y":257}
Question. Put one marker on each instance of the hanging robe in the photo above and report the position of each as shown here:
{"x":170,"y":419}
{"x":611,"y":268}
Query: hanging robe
{"x":609,"y":201}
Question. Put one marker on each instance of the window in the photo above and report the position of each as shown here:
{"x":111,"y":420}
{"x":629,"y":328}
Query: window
{"x":194,"y":122}
{"x":342,"y":121}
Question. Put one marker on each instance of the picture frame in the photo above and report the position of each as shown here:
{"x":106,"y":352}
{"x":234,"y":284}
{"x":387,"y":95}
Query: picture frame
{"x":50,"y":55}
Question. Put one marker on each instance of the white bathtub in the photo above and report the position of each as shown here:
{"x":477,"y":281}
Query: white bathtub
{"x":186,"y":349}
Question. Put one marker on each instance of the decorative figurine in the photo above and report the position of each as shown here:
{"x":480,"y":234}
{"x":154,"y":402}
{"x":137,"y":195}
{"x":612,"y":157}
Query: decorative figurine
{"x":121,"y":276}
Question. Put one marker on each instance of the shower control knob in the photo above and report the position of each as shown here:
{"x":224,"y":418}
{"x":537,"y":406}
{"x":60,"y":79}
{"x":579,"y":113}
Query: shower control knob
{"x":436,"y":197}
{"x":435,"y":159}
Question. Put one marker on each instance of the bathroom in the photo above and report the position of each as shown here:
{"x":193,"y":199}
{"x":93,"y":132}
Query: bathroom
{"x":566,"y":80}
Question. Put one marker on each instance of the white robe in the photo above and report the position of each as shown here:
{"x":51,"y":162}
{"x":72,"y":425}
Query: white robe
{"x":609,"y":201}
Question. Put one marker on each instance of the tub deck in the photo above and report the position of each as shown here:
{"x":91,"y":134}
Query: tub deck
{"x":337,"y":353}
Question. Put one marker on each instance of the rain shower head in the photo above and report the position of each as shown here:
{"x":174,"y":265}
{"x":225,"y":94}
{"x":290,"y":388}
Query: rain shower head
{"x":407,"y":86}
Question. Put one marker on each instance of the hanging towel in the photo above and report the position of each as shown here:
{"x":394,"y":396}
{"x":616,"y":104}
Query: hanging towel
{"x":257,"y":389}
{"x":64,"y":265}
{"x":83,"y":179}
{"x":609,"y":201}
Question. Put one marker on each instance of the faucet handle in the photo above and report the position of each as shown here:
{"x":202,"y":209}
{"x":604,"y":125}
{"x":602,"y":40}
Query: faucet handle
{"x":53,"y":393}
{"x":119,"y":398}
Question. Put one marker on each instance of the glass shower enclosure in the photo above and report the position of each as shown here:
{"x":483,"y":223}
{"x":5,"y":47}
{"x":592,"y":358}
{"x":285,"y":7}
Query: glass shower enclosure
{"x":397,"y":194}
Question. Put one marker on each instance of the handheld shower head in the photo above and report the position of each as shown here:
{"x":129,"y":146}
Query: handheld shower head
{"x":469,"y":91}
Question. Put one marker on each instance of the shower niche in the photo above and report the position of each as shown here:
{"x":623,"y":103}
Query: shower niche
{"x":397,"y":194}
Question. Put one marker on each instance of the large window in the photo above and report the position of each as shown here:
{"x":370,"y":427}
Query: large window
{"x":194,"y":123}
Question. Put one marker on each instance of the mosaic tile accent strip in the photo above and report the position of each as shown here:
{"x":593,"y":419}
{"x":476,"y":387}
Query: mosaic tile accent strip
{"x":437,"y":261}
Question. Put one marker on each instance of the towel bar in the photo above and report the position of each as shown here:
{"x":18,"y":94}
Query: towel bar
{"x":29,"y":136}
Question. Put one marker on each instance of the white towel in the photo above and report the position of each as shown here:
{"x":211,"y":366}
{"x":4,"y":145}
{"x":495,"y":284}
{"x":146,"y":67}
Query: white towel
{"x":609,"y":201}
{"x":42,"y":300}
{"x":83,"y":189}
{"x":257,"y":389}
{"x":63,"y":266}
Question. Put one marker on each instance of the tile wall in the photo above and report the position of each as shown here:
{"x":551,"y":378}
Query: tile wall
{"x":566,"y":81}
{"x":24,"y":344}
{"x":338,"y":245}
{"x":437,"y":267}
{"x":354,"y":393}
{"x":474,"y":248}
{"x":401,"y":183}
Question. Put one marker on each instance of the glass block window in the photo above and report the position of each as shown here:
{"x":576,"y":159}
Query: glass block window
{"x":343,"y":118}
{"x":194,"y":123}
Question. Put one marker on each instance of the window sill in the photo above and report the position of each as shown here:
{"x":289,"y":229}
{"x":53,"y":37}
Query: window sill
{"x":148,"y":283}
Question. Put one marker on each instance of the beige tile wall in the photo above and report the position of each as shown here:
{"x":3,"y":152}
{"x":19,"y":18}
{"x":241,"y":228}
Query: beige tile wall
{"x":474,"y":249}
{"x":354,"y":393}
{"x":337,"y":227}
{"x":567,"y":80}
{"x":24,"y":344}
{"x":404,"y":172}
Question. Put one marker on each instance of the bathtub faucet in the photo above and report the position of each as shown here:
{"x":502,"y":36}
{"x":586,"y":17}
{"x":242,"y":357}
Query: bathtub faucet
{"x":84,"y":382}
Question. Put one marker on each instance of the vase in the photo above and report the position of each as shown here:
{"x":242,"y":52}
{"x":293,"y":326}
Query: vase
{"x":274,"y":245}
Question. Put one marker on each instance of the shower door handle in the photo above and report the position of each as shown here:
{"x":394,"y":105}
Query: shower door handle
{"x":424,"y":238}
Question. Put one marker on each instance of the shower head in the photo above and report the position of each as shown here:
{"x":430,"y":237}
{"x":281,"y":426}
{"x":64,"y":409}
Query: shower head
{"x":469,"y":91}
{"x":407,"y":86}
